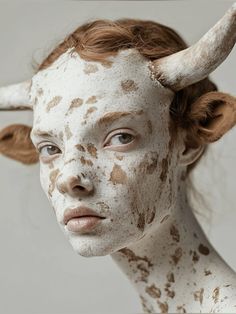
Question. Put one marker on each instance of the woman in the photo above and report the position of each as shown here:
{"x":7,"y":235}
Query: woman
{"x":110,"y":80}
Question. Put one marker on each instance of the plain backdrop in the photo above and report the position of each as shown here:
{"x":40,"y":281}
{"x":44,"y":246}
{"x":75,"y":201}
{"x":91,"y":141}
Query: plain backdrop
{"x":39,"y":271}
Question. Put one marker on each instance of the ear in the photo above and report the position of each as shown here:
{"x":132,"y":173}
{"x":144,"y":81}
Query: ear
{"x":209,"y":118}
{"x":191,"y":155}
{"x":15,"y":143}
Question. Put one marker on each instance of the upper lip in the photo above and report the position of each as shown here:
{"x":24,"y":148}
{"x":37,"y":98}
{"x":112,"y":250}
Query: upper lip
{"x":78,"y":212}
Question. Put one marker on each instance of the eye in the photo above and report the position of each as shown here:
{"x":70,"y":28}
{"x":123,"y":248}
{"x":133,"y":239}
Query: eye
{"x":121,"y":138}
{"x":48,"y":150}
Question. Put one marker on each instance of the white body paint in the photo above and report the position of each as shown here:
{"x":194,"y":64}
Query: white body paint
{"x":149,"y":230}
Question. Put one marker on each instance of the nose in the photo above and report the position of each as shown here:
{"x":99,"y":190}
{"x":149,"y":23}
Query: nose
{"x":74,"y":185}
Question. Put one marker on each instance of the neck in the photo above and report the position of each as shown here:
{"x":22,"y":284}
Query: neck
{"x":174,"y":267}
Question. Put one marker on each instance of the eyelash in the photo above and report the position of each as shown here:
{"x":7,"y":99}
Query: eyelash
{"x":40,"y":148}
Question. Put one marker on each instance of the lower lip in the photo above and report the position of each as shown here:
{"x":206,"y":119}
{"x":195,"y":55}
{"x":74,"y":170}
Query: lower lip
{"x":83,"y":224}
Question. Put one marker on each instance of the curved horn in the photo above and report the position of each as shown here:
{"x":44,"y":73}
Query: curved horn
{"x":193,"y":64}
{"x":15,"y":97}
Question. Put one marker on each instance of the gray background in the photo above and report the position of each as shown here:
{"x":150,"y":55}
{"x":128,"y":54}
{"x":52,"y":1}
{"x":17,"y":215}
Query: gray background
{"x":39,"y":271}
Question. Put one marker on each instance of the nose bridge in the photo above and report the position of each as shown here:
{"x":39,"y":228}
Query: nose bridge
{"x":73,"y":179}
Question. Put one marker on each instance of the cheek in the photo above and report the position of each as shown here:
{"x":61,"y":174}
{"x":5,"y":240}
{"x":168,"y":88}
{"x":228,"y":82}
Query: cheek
{"x":132,"y":186}
{"x":150,"y":189}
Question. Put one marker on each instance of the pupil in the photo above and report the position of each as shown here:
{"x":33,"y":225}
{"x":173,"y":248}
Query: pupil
{"x":126,"y":137}
{"x":51,"y":149}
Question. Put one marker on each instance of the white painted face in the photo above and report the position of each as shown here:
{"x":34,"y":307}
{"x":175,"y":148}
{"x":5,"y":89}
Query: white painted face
{"x":123,"y":161}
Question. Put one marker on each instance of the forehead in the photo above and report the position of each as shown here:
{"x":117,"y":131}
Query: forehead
{"x":122,"y":81}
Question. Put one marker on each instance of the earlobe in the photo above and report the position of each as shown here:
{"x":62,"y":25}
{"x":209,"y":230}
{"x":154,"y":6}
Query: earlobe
{"x":190,"y":155}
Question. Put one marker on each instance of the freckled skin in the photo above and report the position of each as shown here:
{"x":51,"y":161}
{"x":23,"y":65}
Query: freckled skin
{"x":149,"y":228}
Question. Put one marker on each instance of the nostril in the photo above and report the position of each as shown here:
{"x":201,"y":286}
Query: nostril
{"x":81,"y":188}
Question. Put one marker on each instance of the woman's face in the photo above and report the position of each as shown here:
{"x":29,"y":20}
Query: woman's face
{"x":107,"y":123}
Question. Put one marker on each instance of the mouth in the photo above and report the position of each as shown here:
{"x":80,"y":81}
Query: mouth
{"x":81,"y":219}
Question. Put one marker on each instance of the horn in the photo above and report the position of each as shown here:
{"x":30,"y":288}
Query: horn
{"x":16,"y":96}
{"x":195,"y":63}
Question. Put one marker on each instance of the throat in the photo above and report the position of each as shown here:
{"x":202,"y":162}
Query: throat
{"x":173,"y":267}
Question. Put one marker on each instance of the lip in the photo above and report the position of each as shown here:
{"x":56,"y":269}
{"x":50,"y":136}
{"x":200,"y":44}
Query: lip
{"x":81,"y":211}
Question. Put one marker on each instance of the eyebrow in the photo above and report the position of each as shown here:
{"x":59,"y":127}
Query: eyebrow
{"x":110,"y":117}
{"x":107,"y":118}
{"x":40,"y":133}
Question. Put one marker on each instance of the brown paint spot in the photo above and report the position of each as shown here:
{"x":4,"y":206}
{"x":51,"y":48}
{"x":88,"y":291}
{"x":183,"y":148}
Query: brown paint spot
{"x":145,"y":306}
{"x":163,"y":307}
{"x":170,"y":277}
{"x":90,"y":68}
{"x":207,"y":272}
{"x":141,"y":221}
{"x":77,"y":102}
{"x":174,"y":232}
{"x":89,"y":111}
{"x":52,"y":177}
{"x":198,"y":295}
{"x":170,"y":293}
{"x":177,"y":255}
{"x":153,"y":291}
{"x":144,"y":272}
{"x":80,"y":147}
{"x":142,"y":263}
{"x":92,"y":150}
{"x":215,"y":294}
{"x":86,"y":161}
{"x":107,"y":64}
{"x":195,"y":257}
{"x":91,"y":100}
{"x":54,"y":102}
{"x":181,"y":309}
{"x":129,"y":86}
{"x":164,"y":218}
{"x":132,"y":257}
{"x":164,"y":167}
{"x":203,"y":249}
{"x":118,"y":176}
{"x":68,"y":132}
{"x":148,"y":167}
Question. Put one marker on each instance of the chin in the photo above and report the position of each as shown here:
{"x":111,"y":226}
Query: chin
{"x":88,"y":247}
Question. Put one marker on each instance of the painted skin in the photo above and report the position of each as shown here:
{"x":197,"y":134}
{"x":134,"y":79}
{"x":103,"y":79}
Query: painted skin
{"x":135,"y":180}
